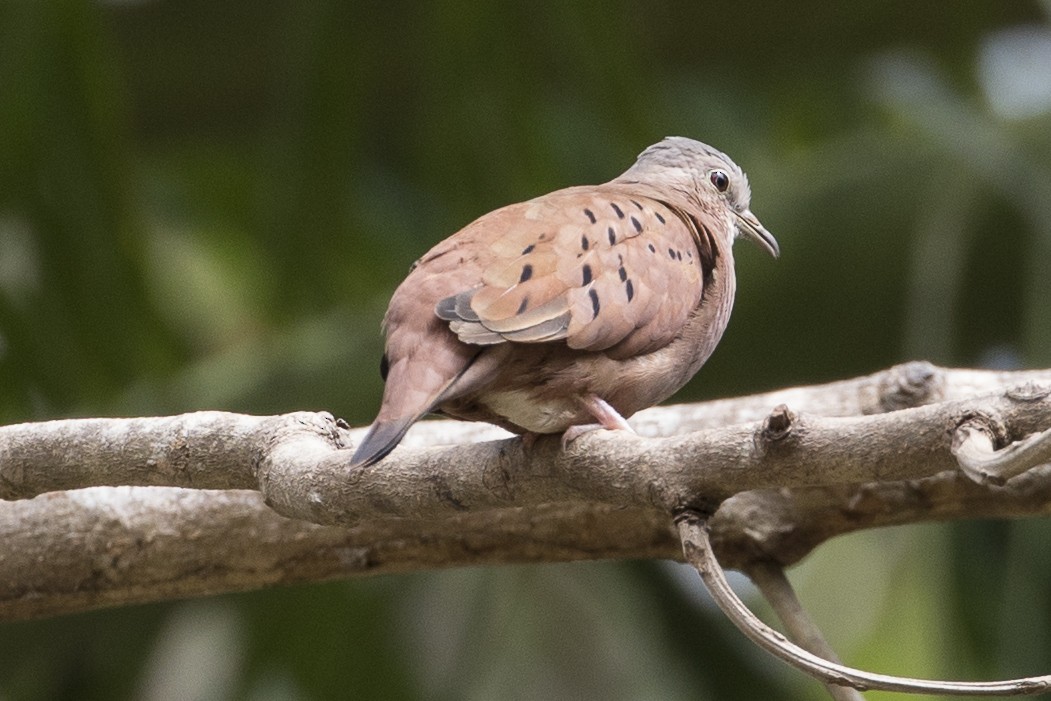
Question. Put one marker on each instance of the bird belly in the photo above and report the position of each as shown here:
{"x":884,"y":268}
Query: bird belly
{"x":525,"y":409}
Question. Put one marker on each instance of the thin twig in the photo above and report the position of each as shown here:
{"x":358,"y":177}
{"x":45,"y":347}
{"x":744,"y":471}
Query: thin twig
{"x":770,"y":578}
{"x":974,"y":446}
{"x":698,"y":552}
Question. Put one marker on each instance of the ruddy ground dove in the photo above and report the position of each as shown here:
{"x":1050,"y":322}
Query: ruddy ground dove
{"x":578,"y":307}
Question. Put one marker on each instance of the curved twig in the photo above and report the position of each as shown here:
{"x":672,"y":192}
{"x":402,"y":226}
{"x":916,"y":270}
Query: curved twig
{"x":974,"y":445}
{"x":698,"y":552}
{"x":770,"y":578}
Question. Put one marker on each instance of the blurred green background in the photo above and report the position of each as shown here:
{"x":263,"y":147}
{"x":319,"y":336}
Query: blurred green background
{"x":206,"y":205}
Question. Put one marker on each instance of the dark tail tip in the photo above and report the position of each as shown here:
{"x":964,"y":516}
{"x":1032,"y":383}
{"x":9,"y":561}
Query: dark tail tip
{"x":381,"y":439}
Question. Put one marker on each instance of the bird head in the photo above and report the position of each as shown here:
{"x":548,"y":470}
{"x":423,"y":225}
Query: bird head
{"x":707,"y":176}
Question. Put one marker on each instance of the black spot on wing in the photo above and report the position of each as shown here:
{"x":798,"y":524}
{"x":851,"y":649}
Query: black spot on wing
{"x":619,"y":212}
{"x":637,"y":205}
{"x":594,"y":302}
{"x":528,"y":249}
{"x":629,"y":289}
{"x":612,"y":235}
{"x":623,"y":274}
{"x":590,"y":215}
{"x":651,"y":247}
{"x":638,"y":226}
{"x":527,"y":272}
{"x":659,"y":217}
{"x":586,"y":274}
{"x":524,"y":305}
{"x":584,"y":243}
{"x":384,"y":366}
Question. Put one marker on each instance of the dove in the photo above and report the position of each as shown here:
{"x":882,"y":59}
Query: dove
{"x":573,"y":310}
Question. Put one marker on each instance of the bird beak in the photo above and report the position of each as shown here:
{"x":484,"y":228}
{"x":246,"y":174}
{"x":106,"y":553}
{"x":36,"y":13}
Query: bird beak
{"x":749,"y":226}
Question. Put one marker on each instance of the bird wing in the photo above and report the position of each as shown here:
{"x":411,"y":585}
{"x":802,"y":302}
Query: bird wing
{"x":603,"y":270}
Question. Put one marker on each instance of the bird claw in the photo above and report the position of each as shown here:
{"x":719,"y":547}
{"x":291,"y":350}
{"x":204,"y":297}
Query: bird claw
{"x":574,"y":432}
{"x":607,"y":416}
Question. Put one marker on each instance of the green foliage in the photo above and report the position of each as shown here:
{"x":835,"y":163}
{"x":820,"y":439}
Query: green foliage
{"x":206,"y":206}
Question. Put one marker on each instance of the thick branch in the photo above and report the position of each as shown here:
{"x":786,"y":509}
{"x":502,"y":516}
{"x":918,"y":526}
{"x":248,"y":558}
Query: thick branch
{"x":302,"y":465}
{"x":608,"y":497}
{"x":92,"y":548}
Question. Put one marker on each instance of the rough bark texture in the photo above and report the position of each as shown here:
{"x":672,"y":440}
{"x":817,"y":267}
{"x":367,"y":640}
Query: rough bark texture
{"x":105,"y":512}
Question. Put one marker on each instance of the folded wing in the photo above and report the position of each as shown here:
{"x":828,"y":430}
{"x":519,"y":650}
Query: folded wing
{"x":602,"y":271}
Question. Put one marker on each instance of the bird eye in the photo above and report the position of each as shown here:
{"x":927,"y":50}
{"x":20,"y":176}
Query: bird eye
{"x":720,"y":179}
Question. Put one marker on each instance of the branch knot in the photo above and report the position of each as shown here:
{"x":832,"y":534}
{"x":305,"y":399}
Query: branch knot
{"x":777,"y":426}
{"x":979,"y":421}
{"x":1028,"y":392}
{"x":910,"y":385}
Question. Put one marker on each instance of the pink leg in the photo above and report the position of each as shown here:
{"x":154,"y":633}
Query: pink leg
{"x":607,"y":417}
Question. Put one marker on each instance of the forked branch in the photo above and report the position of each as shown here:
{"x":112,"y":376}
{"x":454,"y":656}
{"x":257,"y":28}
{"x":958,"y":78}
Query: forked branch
{"x":697,"y":549}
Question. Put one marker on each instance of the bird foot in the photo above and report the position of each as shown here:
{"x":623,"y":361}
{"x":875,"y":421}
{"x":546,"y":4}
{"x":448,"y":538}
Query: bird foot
{"x":574,"y":432}
{"x":607,"y":416}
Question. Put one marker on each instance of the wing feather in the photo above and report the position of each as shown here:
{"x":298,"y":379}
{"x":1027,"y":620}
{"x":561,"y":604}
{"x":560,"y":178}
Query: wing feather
{"x":600,"y":269}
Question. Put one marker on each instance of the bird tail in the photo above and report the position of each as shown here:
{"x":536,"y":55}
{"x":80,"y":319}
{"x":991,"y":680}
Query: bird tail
{"x":381,"y":439}
{"x":403,"y":407}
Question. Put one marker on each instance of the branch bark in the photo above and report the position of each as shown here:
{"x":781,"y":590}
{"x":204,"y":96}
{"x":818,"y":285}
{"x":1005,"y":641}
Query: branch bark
{"x":836,"y":676}
{"x":113,"y":511}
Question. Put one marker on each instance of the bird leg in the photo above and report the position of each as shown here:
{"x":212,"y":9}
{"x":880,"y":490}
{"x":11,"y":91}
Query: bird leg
{"x":607,"y":416}
{"x":528,"y":439}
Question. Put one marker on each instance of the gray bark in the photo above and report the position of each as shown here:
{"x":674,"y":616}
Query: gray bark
{"x":104,"y":512}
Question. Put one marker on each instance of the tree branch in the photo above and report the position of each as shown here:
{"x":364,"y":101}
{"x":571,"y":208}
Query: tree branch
{"x":92,"y":548}
{"x":699,"y":553}
{"x":300,"y":461}
{"x":789,"y":480}
{"x":777,"y":590}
